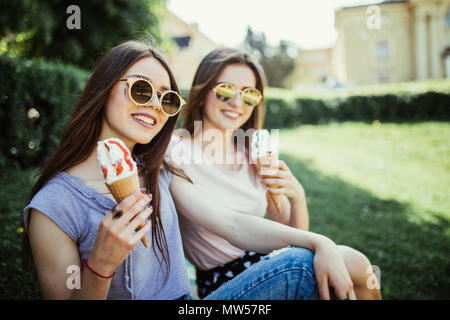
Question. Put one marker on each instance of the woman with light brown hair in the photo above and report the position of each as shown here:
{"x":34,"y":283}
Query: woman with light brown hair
{"x":225,"y":104}
{"x":71,"y":219}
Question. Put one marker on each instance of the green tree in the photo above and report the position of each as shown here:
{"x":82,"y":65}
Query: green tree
{"x":38,"y":28}
{"x":276,"y":61}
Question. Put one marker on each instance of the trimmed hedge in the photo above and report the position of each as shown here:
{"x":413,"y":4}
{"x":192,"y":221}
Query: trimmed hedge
{"x":36,"y":100}
{"x":396,"y":106}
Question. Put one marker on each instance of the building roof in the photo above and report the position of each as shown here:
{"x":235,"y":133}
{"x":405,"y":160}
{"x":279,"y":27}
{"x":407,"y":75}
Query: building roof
{"x":368,"y":3}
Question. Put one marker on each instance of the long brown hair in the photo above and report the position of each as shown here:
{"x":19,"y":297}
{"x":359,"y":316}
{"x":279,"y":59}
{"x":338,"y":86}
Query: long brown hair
{"x":83,"y":129}
{"x":205,"y":79}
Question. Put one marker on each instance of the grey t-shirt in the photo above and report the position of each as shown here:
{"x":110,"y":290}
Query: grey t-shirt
{"x":78,"y":209}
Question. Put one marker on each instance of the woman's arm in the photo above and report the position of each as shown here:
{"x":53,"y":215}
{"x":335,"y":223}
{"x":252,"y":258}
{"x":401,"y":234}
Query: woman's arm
{"x":299,"y":214}
{"x":53,"y":252}
{"x":243,"y":231}
{"x":253,"y":233}
{"x":294,"y":213}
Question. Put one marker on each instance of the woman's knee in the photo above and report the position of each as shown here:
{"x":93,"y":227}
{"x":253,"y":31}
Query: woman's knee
{"x":296,"y":257}
{"x":294,"y":267}
{"x":358,"y":265}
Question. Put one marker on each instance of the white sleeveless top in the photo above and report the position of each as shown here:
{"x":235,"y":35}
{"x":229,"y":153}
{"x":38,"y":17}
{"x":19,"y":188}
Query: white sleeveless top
{"x":235,"y":189}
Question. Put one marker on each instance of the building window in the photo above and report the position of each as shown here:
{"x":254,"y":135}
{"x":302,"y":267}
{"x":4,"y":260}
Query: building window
{"x":447,"y":18}
{"x":447,"y":64}
{"x":382,"y":50}
{"x":383,"y":77}
{"x":182,"y":42}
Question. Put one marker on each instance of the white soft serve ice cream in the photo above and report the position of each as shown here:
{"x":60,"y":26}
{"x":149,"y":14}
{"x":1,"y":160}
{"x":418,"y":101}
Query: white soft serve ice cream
{"x":261,"y":144}
{"x":114,"y":160}
{"x":263,"y":148}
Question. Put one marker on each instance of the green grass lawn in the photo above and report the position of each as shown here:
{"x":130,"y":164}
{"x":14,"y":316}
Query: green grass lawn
{"x":382,"y":189}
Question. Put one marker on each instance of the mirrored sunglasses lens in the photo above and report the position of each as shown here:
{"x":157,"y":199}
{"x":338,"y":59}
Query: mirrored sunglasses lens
{"x":141,"y":91}
{"x":251,"y":97}
{"x":171,"y":103}
{"x":225,"y":92}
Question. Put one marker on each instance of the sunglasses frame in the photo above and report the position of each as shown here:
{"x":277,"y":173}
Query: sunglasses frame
{"x":235,"y":92}
{"x":130,"y":83}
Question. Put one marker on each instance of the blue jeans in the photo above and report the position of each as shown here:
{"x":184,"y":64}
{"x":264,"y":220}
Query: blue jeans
{"x":285,"y":274}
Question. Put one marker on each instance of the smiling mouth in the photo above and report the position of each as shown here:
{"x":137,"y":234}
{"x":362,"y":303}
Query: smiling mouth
{"x":231,"y":114}
{"x":145,"y":121}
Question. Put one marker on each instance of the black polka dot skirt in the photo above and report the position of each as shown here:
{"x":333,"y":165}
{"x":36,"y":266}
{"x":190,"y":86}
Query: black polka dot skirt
{"x":210,"y":280}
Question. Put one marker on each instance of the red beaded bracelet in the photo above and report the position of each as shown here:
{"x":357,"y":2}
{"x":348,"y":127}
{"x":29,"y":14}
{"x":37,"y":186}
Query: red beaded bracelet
{"x":84,"y":263}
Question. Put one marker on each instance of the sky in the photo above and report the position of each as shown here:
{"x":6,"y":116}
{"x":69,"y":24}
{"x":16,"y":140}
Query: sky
{"x":308,"y":24}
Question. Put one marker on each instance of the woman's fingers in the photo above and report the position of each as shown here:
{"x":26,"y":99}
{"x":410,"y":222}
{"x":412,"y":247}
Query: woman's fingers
{"x":352,"y":295}
{"x":280,"y":170}
{"x":270,"y":173}
{"x":343,"y":287}
{"x":137,"y":207}
{"x":273,"y":181}
{"x":124,"y":205}
{"x":275,"y":185}
{"x":341,"y":292}
{"x":331,"y":271}
{"x":139,"y":220}
{"x":322,"y":285}
{"x":277,"y":190}
{"x":130,"y":201}
{"x":283,"y":166}
{"x":142,"y":232}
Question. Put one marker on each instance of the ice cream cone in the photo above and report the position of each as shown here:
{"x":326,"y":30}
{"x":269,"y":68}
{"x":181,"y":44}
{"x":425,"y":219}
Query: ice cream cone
{"x":122,"y":189}
{"x":264,"y":153}
{"x":119,"y":171}
{"x":267,"y":163}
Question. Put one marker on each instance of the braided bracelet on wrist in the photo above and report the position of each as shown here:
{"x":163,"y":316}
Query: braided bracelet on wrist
{"x":84,"y":263}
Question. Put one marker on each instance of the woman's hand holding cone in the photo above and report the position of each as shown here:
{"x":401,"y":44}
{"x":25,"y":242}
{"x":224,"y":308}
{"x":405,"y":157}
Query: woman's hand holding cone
{"x":118,"y":235}
{"x":284,"y":182}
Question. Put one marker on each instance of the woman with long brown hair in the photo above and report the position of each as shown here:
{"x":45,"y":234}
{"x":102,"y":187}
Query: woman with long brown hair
{"x":225,"y":105}
{"x":71,"y":175}
{"x":71,"y":219}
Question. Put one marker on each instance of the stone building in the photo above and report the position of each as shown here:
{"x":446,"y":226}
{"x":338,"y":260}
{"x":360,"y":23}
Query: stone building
{"x":392,"y":41}
{"x":191,"y":46}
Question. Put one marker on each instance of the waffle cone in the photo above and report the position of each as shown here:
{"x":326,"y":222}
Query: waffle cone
{"x":276,"y":199}
{"x":266,"y":162}
{"x":122,"y":189}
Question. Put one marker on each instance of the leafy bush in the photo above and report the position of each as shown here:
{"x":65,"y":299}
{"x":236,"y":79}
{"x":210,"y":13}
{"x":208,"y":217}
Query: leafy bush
{"x":36,"y":100}
{"x":278,"y":112}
